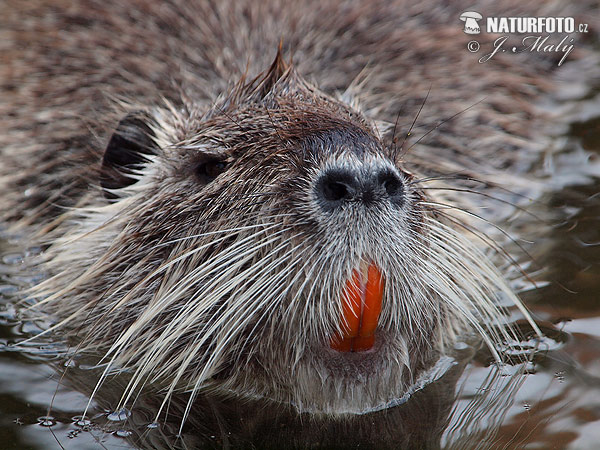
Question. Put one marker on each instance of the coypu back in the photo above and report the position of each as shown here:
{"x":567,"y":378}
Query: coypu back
{"x":213,"y":182}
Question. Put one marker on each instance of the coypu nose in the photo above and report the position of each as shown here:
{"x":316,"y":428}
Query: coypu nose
{"x":339,"y":186}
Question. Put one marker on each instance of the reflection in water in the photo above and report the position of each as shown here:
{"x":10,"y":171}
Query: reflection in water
{"x":226,"y":422}
{"x":477,"y":418}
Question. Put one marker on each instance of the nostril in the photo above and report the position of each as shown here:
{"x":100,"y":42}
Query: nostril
{"x":334,"y":191}
{"x":337,"y":186}
{"x":392,"y":184}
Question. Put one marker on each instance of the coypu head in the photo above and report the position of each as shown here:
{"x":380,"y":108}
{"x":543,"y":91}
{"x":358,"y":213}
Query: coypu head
{"x":272,"y":245}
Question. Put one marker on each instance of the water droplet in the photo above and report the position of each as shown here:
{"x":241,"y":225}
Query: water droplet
{"x":117,"y":416}
{"x":460,"y":346}
{"x":12,"y":259}
{"x":46,"y":421}
{"x":81,"y":421}
{"x":153,"y":425}
{"x":530,"y":368}
{"x":73,"y":434}
{"x":122,"y":433}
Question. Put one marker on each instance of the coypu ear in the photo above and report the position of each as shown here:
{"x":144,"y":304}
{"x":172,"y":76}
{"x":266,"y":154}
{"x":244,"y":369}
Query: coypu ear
{"x":126,"y":152}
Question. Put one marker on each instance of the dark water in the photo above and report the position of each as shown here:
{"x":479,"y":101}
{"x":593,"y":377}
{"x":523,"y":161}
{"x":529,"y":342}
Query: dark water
{"x":551,"y":402}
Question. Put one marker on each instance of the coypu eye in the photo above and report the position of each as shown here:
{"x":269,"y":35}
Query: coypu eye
{"x":207,"y":171}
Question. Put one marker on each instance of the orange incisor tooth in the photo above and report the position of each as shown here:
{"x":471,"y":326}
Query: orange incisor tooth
{"x":341,"y":344}
{"x":372,"y":306}
{"x":351,"y":306}
{"x":361,"y":307}
{"x":361,"y":344}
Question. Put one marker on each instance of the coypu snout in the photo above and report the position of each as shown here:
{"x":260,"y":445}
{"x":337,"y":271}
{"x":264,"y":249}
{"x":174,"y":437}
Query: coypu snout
{"x":372,"y":190}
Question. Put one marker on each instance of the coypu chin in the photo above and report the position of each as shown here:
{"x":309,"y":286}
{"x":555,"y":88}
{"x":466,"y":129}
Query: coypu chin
{"x":271,"y":242}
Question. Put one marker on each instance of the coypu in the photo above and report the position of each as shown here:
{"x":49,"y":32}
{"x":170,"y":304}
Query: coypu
{"x":242,"y":238}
